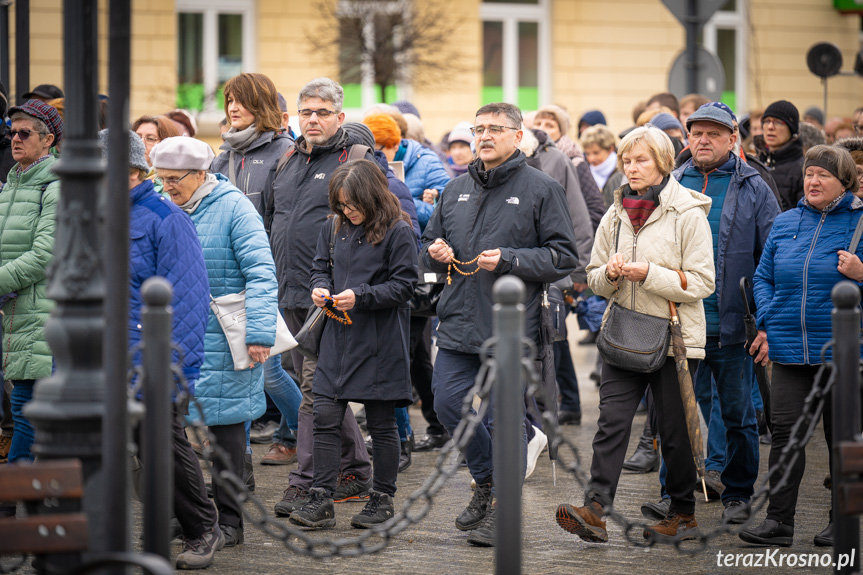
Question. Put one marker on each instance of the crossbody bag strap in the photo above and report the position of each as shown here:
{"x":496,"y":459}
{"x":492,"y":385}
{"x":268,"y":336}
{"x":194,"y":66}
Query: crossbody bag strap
{"x":231,"y":167}
{"x":855,"y":239}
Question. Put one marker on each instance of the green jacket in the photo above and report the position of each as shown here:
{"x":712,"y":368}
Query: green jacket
{"x":28,"y":209}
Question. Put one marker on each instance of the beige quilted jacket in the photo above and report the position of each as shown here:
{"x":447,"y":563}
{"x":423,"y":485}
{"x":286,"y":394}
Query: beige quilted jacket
{"x":676,"y":237}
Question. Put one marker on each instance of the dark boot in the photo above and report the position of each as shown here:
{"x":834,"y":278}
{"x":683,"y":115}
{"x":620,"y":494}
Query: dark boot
{"x":484,"y":534}
{"x":645,"y":459}
{"x":317,"y":513}
{"x":825,"y":538}
{"x":473,"y":514}
{"x":770,"y":532}
{"x":405,"y":453}
{"x":378,"y":509}
{"x":586,"y":522}
{"x":680,"y":525}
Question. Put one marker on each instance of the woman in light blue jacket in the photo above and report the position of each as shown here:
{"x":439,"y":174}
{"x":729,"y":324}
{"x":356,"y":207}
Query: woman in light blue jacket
{"x":238,"y":257}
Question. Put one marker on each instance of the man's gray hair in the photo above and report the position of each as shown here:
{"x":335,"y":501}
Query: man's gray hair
{"x":38,"y":125}
{"x":325,"y":89}
{"x":512,"y":113}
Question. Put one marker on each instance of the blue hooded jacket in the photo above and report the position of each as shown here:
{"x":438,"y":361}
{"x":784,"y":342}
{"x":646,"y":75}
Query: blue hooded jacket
{"x":423,"y":171}
{"x":163,"y":242}
{"x":747,"y":218}
{"x":796,"y":275}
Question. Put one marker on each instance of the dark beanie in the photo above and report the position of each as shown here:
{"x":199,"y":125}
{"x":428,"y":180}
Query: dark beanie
{"x":785,"y":111}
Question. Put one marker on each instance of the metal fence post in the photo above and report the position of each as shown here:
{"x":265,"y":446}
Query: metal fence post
{"x":508,"y":454}
{"x":157,"y":451}
{"x":846,"y":414}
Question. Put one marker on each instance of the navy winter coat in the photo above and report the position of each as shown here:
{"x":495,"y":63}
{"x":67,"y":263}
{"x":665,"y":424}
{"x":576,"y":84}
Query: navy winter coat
{"x":369,"y":359}
{"x":253,"y":168}
{"x":796,"y":275}
{"x":512,"y":207}
{"x":747,"y":218}
{"x":163,"y":242}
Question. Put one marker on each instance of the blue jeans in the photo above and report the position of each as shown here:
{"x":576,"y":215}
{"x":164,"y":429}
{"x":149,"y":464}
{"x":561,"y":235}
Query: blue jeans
{"x":454,"y":376}
{"x":727,"y":372}
{"x":403,"y":421}
{"x":286,"y":394}
{"x":25,"y":435}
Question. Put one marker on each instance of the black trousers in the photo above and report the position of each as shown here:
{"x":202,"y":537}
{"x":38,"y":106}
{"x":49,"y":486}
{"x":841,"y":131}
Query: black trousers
{"x":619,"y":394}
{"x":192,"y":507}
{"x":422,"y":370}
{"x":231,"y":438}
{"x":791,"y":385}
{"x":381,"y":422}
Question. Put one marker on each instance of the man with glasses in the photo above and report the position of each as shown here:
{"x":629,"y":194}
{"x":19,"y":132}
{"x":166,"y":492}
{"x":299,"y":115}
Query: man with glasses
{"x":28,"y":204}
{"x":783,"y":150}
{"x":297,"y":207}
{"x":510,"y":219}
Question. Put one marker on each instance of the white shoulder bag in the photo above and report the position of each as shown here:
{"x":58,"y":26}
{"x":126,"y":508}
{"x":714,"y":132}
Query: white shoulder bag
{"x":230,"y":311}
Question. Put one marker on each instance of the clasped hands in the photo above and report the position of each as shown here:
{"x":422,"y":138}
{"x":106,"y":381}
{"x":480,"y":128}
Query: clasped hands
{"x":617,"y":267}
{"x":342,"y":301}
{"x":440,"y":251}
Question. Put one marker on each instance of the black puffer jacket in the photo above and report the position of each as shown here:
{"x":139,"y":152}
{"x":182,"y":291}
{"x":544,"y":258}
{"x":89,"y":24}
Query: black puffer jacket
{"x":300,"y":201}
{"x":787,"y":164}
{"x":512,"y":207}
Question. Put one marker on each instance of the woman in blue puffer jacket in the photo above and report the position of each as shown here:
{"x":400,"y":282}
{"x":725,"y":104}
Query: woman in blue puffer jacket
{"x":237,"y":255}
{"x":804,"y":257}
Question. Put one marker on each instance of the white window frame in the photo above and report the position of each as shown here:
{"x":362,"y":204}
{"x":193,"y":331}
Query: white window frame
{"x":510,"y":15}
{"x":733,"y":20}
{"x":211,"y":10}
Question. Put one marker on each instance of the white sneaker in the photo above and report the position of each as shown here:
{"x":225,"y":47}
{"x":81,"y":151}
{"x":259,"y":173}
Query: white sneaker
{"x":535,"y":447}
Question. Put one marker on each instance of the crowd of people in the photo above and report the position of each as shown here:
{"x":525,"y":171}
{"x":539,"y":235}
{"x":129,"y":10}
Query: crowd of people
{"x":398,"y":242}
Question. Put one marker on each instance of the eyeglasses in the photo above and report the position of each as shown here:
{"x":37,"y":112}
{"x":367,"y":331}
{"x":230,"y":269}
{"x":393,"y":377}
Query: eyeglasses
{"x":342,"y":207}
{"x":323,"y":113}
{"x":172,"y":181}
{"x":492,"y":129}
{"x":772,"y":122}
{"x":858,"y":129}
{"x":23,"y":134}
{"x":150,"y":139}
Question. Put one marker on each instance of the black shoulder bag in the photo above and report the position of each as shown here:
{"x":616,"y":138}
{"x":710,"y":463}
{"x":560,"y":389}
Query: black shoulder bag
{"x":309,"y":336}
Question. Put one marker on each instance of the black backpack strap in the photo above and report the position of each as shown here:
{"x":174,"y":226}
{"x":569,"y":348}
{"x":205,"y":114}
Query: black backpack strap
{"x":42,"y":189}
{"x":270,"y":199}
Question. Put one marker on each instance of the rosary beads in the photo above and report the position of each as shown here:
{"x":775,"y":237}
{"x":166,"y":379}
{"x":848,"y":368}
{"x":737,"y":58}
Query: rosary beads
{"x":453,"y":266}
{"x":331,"y":314}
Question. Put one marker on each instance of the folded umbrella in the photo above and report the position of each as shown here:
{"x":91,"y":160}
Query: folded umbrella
{"x":687,"y":394}
{"x":751,"y":333}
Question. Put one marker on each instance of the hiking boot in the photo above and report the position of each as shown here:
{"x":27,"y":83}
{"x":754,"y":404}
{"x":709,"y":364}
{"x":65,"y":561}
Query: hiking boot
{"x":771,"y":532}
{"x":378,"y":509}
{"x":472,"y":515}
{"x":233,"y":535}
{"x":645,"y":459}
{"x":586,"y":522}
{"x":656,"y":511}
{"x":535,"y":447}
{"x":352,"y":488}
{"x":431,"y":442}
{"x":825,"y":538}
{"x":714,"y":485}
{"x":680,"y":525}
{"x":483,"y":535}
{"x":736,"y":512}
{"x":317,"y":513}
{"x":263,"y":432}
{"x":278,"y":454}
{"x":292,"y":499}
{"x":198,"y":553}
{"x":5,"y":444}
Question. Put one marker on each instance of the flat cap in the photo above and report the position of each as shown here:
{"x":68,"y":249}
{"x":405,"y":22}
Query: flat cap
{"x":182,"y":153}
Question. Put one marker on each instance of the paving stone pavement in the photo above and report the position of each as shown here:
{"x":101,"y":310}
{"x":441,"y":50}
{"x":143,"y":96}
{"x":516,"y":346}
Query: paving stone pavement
{"x":434,"y":546}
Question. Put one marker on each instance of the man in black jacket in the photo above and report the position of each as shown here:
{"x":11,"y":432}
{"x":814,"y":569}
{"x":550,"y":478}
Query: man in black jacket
{"x":300,"y":206}
{"x":514,"y":220}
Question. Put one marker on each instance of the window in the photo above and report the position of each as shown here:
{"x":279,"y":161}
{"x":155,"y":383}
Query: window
{"x":215,"y":43}
{"x":516,"y":53}
{"x":725,"y":35}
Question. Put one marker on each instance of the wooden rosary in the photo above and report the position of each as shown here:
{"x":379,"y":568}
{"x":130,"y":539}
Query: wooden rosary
{"x":453,"y":266}
{"x":331,"y":314}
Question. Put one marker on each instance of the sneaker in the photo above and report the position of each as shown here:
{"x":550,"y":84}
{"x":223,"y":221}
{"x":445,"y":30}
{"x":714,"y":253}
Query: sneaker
{"x":5,"y":444}
{"x":714,"y":485}
{"x":586,"y":522}
{"x":233,"y":535}
{"x":680,"y":525}
{"x":656,"y":511}
{"x":317,"y":513}
{"x":352,"y":488}
{"x":292,"y":499}
{"x":378,"y":509}
{"x":278,"y":454}
{"x":473,"y":514}
{"x":263,"y":432}
{"x":198,"y":553}
{"x":736,"y":512}
{"x":431,"y":442}
{"x":483,"y":535}
{"x":771,"y":532}
{"x":535,"y":447}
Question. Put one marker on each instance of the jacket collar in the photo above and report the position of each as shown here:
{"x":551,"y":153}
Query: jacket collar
{"x":499,"y":175}
{"x":262,"y":140}
{"x":141,"y":191}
